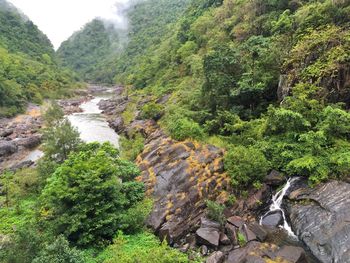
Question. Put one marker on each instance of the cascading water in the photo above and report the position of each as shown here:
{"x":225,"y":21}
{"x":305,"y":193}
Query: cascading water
{"x":277,"y":200}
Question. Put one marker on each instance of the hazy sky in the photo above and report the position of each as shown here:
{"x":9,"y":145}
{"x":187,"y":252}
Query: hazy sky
{"x":58,"y":19}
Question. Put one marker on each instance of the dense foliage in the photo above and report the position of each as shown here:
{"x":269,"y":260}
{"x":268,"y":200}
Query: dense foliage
{"x":263,"y":79}
{"x":28,"y":70}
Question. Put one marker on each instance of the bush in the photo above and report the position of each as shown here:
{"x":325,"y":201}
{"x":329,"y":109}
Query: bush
{"x":131,"y":148}
{"x":143,"y":247}
{"x":184,"y":128}
{"x":152,"y":110}
{"x":245,"y":165}
{"x":86,"y":198}
{"x":216,"y":211}
{"x":59,"y":252}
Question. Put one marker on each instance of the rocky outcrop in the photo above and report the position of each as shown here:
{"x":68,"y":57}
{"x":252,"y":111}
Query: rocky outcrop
{"x":321,"y":219}
{"x":180,"y":176}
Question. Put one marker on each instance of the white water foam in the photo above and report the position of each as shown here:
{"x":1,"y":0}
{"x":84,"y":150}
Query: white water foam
{"x":277,"y":200}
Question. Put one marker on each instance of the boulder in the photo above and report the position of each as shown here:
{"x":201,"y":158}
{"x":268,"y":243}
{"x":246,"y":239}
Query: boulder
{"x":117,"y":125}
{"x":292,"y":254}
{"x":224,"y":240}
{"x":248,"y":234}
{"x":320,"y":218}
{"x":6,"y":132}
{"x":272,"y":219}
{"x":259,"y":231}
{"x":231,"y":233}
{"x":208,"y":236}
{"x":275,"y":178}
{"x":30,"y":142}
{"x":7,"y":148}
{"x":240,"y":255}
{"x":205,"y":223}
{"x":21,"y":165}
{"x":216,"y":257}
{"x":236,"y":221}
{"x":204,"y":250}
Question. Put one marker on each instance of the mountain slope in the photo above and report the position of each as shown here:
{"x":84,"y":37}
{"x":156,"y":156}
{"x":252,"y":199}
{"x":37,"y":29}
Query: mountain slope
{"x":97,"y":53}
{"x":28,"y":68}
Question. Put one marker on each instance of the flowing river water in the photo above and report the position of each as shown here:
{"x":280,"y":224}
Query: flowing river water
{"x":91,"y":124}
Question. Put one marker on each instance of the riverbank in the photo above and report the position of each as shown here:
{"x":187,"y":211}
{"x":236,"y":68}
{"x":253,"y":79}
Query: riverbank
{"x":20,"y":137}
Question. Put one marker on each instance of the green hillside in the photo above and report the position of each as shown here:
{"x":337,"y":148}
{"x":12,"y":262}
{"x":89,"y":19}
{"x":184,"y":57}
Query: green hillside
{"x":98,"y":52}
{"x":28,"y":68}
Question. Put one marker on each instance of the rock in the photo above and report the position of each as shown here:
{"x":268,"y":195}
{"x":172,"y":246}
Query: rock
{"x":30,"y":142}
{"x":117,"y":125}
{"x":208,"y":236}
{"x":179,"y":176}
{"x":7,"y":148}
{"x":6,"y":132}
{"x":236,"y":221}
{"x":204,"y":250}
{"x":216,"y":257}
{"x":274,"y":178}
{"x":249,"y":235}
{"x":273,"y":219}
{"x":224,"y":240}
{"x":240,"y":255}
{"x":231,"y":233}
{"x":320,"y":217}
{"x":184,"y":248}
{"x":21,"y":165}
{"x":292,"y":254}
{"x":205,"y":223}
{"x":259,"y":231}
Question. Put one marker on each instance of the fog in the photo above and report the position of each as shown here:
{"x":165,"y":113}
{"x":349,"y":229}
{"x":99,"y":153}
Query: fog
{"x":59,"y":19}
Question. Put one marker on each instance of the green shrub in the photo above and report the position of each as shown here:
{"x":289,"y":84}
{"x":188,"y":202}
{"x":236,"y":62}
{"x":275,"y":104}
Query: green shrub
{"x":86,"y":198}
{"x":131,"y":148}
{"x":152,"y":110}
{"x":59,"y":252}
{"x":184,"y":128}
{"x":245,"y":165}
{"x":143,"y":247}
{"x":216,"y":211}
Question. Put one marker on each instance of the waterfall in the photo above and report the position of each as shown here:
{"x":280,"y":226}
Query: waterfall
{"x":277,"y":200}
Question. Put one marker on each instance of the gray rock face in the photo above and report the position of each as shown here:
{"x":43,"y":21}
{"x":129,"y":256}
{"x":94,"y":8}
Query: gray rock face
{"x":208,"y":236}
{"x":273,"y":219}
{"x":117,"y":125}
{"x":274,"y":178}
{"x":7,"y":148}
{"x":292,"y":254}
{"x":216,"y":257}
{"x":322,"y":220}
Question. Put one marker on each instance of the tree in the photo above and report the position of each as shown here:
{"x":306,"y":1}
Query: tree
{"x":86,"y":198}
{"x":59,"y":252}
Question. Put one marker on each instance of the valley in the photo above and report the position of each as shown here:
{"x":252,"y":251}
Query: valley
{"x":217,"y":131}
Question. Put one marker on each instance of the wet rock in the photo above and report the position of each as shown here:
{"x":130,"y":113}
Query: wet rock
{"x":292,"y":254}
{"x":216,"y":257}
{"x":274,"y":178}
{"x":224,"y":240}
{"x":7,"y":148}
{"x":320,"y":217}
{"x":117,"y":125}
{"x":259,"y":231}
{"x":208,"y":236}
{"x":272,"y":219}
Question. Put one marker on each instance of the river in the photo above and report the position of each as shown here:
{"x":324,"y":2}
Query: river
{"x":91,"y":123}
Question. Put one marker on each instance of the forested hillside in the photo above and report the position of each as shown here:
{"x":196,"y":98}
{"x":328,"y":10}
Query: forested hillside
{"x":97,"y":52}
{"x":28,"y":68}
{"x":272,"y":76}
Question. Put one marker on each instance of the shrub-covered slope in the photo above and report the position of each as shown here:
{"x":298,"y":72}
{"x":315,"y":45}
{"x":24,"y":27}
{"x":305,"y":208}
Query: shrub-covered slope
{"x":28,"y":70}
{"x":270,"y":76}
